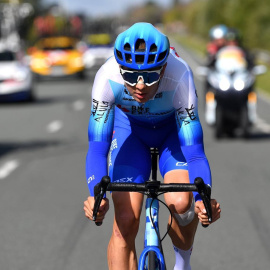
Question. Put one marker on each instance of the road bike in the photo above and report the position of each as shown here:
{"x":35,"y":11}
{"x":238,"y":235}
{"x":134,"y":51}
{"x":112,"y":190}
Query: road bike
{"x":152,"y":257}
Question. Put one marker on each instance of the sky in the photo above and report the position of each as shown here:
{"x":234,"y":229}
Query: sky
{"x":98,"y":8}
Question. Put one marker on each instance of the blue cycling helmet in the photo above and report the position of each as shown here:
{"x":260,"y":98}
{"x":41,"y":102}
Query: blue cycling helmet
{"x":153,"y":50}
{"x":218,"y":31}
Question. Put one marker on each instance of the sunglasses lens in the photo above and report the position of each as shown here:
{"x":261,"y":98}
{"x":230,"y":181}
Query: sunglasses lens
{"x":152,"y":77}
{"x":130,"y":77}
{"x":149,"y":78}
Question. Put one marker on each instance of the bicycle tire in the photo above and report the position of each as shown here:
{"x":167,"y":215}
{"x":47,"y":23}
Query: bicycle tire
{"x":152,"y":259}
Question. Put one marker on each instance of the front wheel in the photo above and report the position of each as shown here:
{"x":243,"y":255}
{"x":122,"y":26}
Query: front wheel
{"x":152,"y":261}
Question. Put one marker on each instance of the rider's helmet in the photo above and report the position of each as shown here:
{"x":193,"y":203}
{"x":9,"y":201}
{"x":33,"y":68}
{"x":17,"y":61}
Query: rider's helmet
{"x":218,"y":32}
{"x":141,"y":47}
{"x":233,"y":35}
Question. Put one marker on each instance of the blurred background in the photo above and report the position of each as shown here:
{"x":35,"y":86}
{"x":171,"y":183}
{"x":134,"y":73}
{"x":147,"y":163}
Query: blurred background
{"x":50,"y":52}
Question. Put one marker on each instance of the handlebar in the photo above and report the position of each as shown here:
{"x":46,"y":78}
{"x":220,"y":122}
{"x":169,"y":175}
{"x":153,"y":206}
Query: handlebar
{"x":205,"y":193}
{"x":152,"y":187}
{"x":99,"y":191}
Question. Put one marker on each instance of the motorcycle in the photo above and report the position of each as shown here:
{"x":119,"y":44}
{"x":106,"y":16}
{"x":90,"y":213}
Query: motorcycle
{"x":230,"y":97}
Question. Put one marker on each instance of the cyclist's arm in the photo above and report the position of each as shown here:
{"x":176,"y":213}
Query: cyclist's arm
{"x":100,"y":131}
{"x":190,"y":132}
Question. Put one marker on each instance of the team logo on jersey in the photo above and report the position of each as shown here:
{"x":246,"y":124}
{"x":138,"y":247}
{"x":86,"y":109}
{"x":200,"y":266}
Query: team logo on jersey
{"x":124,"y":180}
{"x":113,"y":146}
{"x":100,"y":110}
{"x":139,"y":110}
{"x":186,"y":115}
{"x":90,"y":179}
{"x":180,"y":164}
{"x":191,"y":112}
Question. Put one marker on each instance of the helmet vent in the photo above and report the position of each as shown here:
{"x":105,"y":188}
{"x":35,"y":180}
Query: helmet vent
{"x":162,"y":56}
{"x":151,"y":58}
{"x":140,"y":45}
{"x":127,"y":47}
{"x":139,"y":59}
{"x":128,"y":57}
{"x":119,"y":55}
{"x":153,"y":48}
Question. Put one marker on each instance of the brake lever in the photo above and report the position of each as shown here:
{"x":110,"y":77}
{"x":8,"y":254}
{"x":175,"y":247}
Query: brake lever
{"x":99,"y":191}
{"x":205,"y":193}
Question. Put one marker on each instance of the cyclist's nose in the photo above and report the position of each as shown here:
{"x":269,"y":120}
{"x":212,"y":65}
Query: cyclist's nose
{"x":140,"y":84}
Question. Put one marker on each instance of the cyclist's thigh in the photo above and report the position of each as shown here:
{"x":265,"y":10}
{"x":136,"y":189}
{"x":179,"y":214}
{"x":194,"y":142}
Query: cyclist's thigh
{"x":129,"y":161}
{"x":174,"y":169}
{"x":129,"y":158}
{"x":171,"y":156}
{"x":127,"y":206}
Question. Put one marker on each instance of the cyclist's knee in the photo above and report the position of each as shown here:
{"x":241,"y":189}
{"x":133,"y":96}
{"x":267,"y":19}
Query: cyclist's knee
{"x":127,"y":226}
{"x":183,"y":209}
{"x":180,"y":203}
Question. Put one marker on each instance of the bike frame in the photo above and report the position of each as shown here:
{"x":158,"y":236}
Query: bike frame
{"x":151,"y":239}
{"x":151,"y":235}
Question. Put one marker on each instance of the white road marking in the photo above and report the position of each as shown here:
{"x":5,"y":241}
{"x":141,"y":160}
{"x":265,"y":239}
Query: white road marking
{"x":263,"y":96}
{"x":78,"y":105}
{"x":263,"y":125}
{"x":8,"y":167}
{"x":54,"y":126}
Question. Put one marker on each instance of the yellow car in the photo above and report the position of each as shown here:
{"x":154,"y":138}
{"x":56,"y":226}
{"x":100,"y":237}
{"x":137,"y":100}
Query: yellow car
{"x":56,"y":56}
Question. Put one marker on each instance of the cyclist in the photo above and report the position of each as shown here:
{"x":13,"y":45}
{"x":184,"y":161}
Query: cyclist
{"x":145,"y":97}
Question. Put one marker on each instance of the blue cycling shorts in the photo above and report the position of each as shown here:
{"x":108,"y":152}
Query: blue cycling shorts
{"x":130,"y":158}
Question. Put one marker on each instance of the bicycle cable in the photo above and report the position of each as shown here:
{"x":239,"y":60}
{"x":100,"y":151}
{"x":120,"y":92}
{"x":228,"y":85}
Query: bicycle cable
{"x":170,"y":225}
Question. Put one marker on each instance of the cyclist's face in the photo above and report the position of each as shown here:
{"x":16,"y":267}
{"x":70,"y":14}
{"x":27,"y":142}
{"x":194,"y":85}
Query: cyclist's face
{"x":220,"y":42}
{"x":141,"y":92}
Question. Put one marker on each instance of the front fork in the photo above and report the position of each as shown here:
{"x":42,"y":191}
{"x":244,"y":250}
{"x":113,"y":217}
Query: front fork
{"x":151,"y":239}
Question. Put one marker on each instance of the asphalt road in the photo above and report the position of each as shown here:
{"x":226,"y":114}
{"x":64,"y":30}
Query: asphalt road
{"x":42,"y":189}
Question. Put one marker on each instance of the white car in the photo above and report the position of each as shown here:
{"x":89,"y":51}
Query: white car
{"x":97,"y":49}
{"x":16,"y":80}
{"x":95,"y":56}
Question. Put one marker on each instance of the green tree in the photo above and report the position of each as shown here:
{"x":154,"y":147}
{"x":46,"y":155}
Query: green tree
{"x":250,"y":17}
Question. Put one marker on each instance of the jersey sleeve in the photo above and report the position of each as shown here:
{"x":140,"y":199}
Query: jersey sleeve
{"x":190,"y":131}
{"x":100,"y":130}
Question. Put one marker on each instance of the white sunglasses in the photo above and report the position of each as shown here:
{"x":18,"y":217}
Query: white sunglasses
{"x":149,"y":77}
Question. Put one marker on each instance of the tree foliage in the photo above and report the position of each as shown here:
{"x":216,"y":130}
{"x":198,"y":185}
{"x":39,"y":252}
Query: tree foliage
{"x":150,"y":12}
{"x":250,"y":17}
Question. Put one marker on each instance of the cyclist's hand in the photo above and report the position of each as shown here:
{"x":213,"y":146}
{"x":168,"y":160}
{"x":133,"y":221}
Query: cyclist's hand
{"x":201,"y":212}
{"x":89,"y":207}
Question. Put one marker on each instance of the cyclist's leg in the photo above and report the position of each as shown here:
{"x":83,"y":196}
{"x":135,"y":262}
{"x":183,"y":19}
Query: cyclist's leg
{"x":129,"y":161}
{"x":174,"y":169}
{"x":121,"y":248}
{"x":185,"y":222}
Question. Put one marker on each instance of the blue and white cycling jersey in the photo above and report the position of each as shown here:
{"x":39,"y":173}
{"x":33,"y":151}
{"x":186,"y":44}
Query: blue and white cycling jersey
{"x":176,"y":99}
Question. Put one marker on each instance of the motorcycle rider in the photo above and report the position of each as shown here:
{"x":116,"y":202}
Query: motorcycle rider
{"x":217,"y":35}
